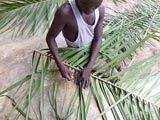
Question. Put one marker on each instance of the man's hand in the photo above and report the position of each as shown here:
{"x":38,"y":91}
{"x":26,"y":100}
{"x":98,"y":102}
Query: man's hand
{"x":66,"y":73}
{"x":85,"y":77}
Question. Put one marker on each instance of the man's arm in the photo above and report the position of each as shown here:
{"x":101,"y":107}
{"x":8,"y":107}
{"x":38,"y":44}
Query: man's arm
{"x":56,"y":27}
{"x":97,"y":40}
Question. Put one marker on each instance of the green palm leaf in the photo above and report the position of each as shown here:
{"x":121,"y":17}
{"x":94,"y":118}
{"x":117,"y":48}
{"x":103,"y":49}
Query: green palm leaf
{"x":135,"y":96}
{"x":27,"y":16}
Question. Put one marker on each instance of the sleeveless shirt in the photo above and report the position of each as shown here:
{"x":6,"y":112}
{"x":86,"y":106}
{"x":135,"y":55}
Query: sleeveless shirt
{"x":85,"y":31}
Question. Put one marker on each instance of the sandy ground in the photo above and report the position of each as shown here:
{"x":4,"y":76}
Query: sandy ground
{"x":15,"y":55}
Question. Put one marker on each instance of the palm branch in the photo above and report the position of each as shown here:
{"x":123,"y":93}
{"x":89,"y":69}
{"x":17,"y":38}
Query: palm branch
{"x":135,"y":96}
{"x":128,"y":96}
{"x":25,"y":17}
{"x":124,"y":98}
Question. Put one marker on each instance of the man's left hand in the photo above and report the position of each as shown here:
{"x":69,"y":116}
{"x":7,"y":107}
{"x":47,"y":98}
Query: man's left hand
{"x":85,"y":78}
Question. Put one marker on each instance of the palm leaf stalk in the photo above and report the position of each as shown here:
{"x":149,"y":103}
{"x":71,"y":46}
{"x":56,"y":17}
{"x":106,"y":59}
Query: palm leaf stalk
{"x":127,"y":99}
{"x":79,"y":53}
{"x":116,"y":93}
{"x":123,"y":92}
{"x":111,"y":86}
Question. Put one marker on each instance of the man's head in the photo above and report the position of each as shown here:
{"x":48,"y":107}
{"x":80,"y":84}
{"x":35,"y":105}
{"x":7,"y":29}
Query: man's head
{"x":89,"y":5}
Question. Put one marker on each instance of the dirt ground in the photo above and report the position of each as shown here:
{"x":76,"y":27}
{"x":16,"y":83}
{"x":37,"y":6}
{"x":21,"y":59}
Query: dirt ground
{"x":16,"y":54}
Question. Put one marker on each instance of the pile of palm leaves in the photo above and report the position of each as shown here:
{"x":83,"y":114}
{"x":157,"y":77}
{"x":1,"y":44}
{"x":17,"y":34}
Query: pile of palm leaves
{"x":135,"y":96}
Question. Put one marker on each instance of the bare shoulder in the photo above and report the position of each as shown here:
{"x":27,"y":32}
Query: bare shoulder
{"x":101,"y":10}
{"x":64,"y":10}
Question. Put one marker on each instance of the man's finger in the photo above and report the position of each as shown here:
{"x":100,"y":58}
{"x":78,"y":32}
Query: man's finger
{"x":70,"y":76}
{"x":87,"y":84}
{"x":83,"y":84}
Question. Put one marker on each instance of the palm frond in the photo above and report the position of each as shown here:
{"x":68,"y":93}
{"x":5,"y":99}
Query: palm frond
{"x":135,"y":96}
{"x":124,"y":98}
{"x":26,"y":17}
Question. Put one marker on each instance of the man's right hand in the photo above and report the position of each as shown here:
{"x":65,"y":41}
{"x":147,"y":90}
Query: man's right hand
{"x":66,"y":73}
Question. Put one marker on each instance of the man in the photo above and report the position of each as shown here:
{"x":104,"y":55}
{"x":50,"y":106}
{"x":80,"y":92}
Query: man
{"x":81,"y":23}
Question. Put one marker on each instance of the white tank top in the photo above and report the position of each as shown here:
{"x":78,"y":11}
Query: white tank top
{"x":85,"y":31}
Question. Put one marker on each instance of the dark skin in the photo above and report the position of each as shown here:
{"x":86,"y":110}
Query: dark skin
{"x":65,"y":21}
